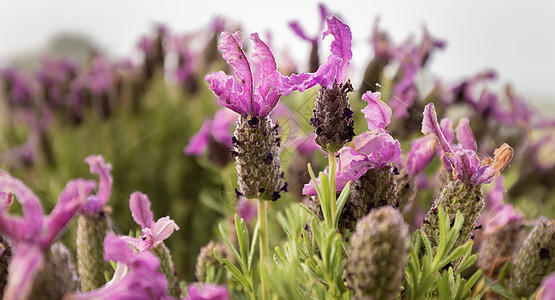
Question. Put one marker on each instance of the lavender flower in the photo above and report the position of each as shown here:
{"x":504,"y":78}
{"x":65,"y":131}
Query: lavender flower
{"x":215,"y":136}
{"x":207,"y":292}
{"x":32,"y":236}
{"x":253,"y":95}
{"x":92,"y":226}
{"x":136,"y":276}
{"x":152,"y":236}
{"x":464,"y":193}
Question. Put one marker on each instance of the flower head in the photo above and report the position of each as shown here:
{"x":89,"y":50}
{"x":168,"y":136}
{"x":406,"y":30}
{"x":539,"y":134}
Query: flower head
{"x":254,"y":93}
{"x":153,"y":234}
{"x":32,"y":234}
{"x":462,"y":158}
{"x":136,"y":275}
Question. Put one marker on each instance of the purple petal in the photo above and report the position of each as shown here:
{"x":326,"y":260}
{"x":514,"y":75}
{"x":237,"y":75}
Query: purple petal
{"x":31,"y":225}
{"x":494,"y":199}
{"x":377,"y":113}
{"x":98,"y":166}
{"x":264,"y":56}
{"x":430,"y":125}
{"x":326,"y":75}
{"x":207,"y":292}
{"x":446,"y":126}
{"x":223,"y":86}
{"x":246,"y":209}
{"x":116,"y":249}
{"x":199,"y":141}
{"x":421,"y":154}
{"x":503,"y":216}
{"x":324,"y":13}
{"x":465,"y":136}
{"x":222,"y":125}
{"x":232,"y":51}
{"x":26,"y":261}
{"x":140,"y":210}
{"x":162,"y":230}
{"x":341,"y":46}
{"x":383,"y":148}
{"x":72,"y":197}
{"x":300,"y":32}
{"x":548,"y":287}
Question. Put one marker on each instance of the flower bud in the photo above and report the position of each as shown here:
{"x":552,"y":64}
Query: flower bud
{"x":378,"y":255}
{"x":534,"y":260}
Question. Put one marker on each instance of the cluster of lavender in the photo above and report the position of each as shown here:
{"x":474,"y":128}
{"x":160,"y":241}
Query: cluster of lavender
{"x":346,"y":232}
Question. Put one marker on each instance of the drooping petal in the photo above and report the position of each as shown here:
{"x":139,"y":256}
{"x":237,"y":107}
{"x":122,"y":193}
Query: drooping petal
{"x":431,"y":126}
{"x":377,"y":113}
{"x":31,"y":225}
{"x":98,"y":166}
{"x":116,"y":249}
{"x":207,"y":292}
{"x":25,"y":263}
{"x":199,"y":141}
{"x":223,"y":86}
{"x":383,"y":148}
{"x":140,"y":210}
{"x":341,"y":46}
{"x":72,"y":197}
{"x":465,"y":136}
{"x":421,"y":154}
{"x":162,"y":230}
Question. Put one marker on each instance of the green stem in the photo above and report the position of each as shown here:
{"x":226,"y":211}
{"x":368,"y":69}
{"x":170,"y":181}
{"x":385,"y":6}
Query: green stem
{"x":331,"y":161}
{"x":264,"y":249}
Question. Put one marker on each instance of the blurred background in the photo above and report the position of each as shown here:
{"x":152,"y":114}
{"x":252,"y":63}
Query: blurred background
{"x":125,"y":79}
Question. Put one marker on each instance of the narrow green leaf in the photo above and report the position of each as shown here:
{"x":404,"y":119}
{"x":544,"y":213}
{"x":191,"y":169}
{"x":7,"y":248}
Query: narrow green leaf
{"x":234,"y":271}
{"x":228,"y":242}
{"x":470,"y":283}
{"x":314,"y":216}
{"x":316,"y":185}
{"x":253,"y":245}
{"x":341,"y":203}
{"x":243,"y":241}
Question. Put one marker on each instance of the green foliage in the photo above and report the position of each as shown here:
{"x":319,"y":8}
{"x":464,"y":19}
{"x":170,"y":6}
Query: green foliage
{"x":430,"y":275}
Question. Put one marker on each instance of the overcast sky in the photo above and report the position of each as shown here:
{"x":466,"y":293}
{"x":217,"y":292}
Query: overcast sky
{"x":513,"y":37}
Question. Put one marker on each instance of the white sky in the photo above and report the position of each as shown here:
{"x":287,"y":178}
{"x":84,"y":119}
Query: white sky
{"x":513,"y":37}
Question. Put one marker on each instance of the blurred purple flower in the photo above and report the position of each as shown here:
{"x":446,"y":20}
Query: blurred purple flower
{"x":207,"y":292}
{"x":136,"y":275}
{"x":463,"y":158}
{"x":32,"y":234}
{"x":218,"y":129}
{"x":20,"y":91}
{"x":99,"y":77}
{"x":95,"y":203}
{"x":548,"y":288}
{"x":501,"y":217}
{"x":421,"y":153}
{"x":153,"y":234}
{"x":246,"y":209}
{"x":299,"y":31}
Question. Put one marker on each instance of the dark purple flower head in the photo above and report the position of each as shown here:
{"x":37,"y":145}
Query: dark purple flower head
{"x":335,"y":68}
{"x":464,"y":91}
{"x":153,"y":234}
{"x":462,"y":158}
{"x":20,"y":90}
{"x":95,"y":203}
{"x":218,"y":129}
{"x":136,"y":276}
{"x":33,"y":233}
{"x":370,"y":150}
{"x":207,"y":292}
{"x":253,"y":93}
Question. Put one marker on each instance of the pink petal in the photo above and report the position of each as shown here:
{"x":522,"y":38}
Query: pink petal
{"x":341,"y":46}
{"x":222,"y":125}
{"x":26,"y":261}
{"x":465,"y":136}
{"x":162,"y":230}
{"x":140,"y":210}
{"x":199,"y":141}
{"x":72,"y":197}
{"x":116,"y":249}
{"x":207,"y":292}
{"x":503,"y":216}
{"x":377,"y":113}
{"x":421,"y":154}
{"x":300,"y":32}
{"x":6,"y":200}
{"x":430,"y":125}
{"x":102,"y":169}
{"x":383,"y":148}
{"x":223,"y":86}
